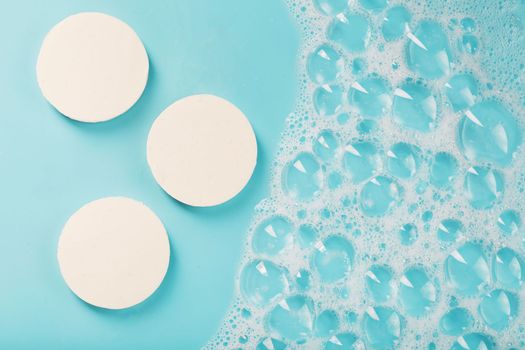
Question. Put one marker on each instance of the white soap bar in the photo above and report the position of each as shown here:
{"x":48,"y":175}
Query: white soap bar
{"x":92,"y":67}
{"x":202,"y":150}
{"x":113,"y":252}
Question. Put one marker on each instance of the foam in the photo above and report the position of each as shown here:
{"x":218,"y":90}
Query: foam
{"x":496,"y":67}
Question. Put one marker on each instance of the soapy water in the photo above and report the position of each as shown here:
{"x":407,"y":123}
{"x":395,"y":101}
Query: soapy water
{"x":395,"y":214}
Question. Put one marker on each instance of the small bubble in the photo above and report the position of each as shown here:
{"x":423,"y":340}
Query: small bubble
{"x":408,"y":234}
{"x":509,"y":222}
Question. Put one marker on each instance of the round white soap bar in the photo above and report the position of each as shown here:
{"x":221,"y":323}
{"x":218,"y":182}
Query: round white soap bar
{"x":113,"y":252}
{"x":202,"y":150}
{"x":92,"y":67}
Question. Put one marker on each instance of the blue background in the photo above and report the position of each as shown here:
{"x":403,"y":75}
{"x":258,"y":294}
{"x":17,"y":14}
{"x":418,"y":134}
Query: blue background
{"x":242,"y":50}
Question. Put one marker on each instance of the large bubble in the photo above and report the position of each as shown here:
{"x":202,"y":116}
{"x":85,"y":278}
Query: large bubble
{"x":428,"y":52}
{"x":379,"y":195}
{"x":415,"y":107}
{"x":467,"y":269}
{"x":382,"y":327}
{"x":489,"y":133}
{"x":292,"y":318}
{"x":370,"y":96}
{"x":351,"y":30}
{"x":417,"y":292}
{"x":263,"y":282}
{"x":302,"y":177}
{"x":333,"y":258}
{"x":483,"y":186}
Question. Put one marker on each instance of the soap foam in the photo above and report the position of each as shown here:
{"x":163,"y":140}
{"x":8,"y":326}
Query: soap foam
{"x":300,"y":192}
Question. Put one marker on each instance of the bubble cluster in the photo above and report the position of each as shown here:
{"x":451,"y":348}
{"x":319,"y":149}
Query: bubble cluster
{"x":394,"y":219}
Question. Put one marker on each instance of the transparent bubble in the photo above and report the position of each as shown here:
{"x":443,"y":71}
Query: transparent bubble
{"x":358,"y":66}
{"x":483,"y":186}
{"x":415,"y":107}
{"x":378,"y":281}
{"x":472,"y":341}
{"x":462,"y":91}
{"x":489,"y":132}
{"x":469,"y":44}
{"x":350,"y":317}
{"x":374,"y":5}
{"x":468,"y":24}
{"x":395,"y":23}
{"x":302,"y":178}
{"x":272,"y":235}
{"x":245,"y":313}
{"x":343,"y":118}
{"x":344,"y":341}
{"x":270,"y":344}
{"x":428,"y":52}
{"x":326,"y":323}
{"x":328,"y":100}
{"x":498,"y":309}
{"x":361,"y":160}
{"x":509,"y":222}
{"x":408,"y":234}
{"x":326,"y":145}
{"x":379,"y":195}
{"x":243,"y":339}
{"x":417,"y":292}
{"x":443,"y":169}
{"x":335,"y":180}
{"x":324,"y":65}
{"x":307,"y":235}
{"x":403,"y":160}
{"x":508,"y":269}
{"x":303,"y":280}
{"x":449,"y":230}
{"x":263,"y":282}
{"x":330,"y":7}
{"x":366,"y":126}
{"x":382,"y":327}
{"x":467,"y":269}
{"x":455,"y":321}
{"x":351,"y":30}
{"x":427,"y":216}
{"x":333,"y":258}
{"x":292,"y":318}
{"x":370,"y":96}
